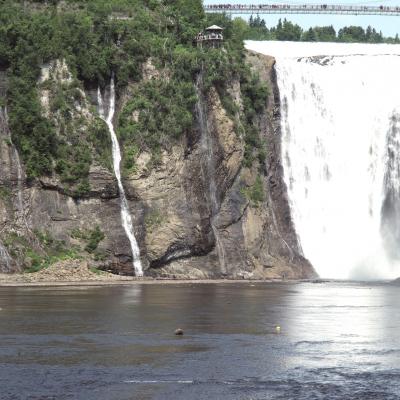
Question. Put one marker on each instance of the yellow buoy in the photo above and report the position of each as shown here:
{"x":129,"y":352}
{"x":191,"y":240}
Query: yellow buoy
{"x":278,"y":329}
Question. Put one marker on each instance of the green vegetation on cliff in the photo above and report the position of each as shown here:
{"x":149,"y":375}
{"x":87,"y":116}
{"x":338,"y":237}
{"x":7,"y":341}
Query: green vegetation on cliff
{"x":33,"y":259}
{"x":95,"y":39}
{"x":44,"y":250}
{"x":91,"y":237}
{"x":255,"y":193}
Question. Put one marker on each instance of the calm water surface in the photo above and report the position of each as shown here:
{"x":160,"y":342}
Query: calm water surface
{"x":338,"y":341}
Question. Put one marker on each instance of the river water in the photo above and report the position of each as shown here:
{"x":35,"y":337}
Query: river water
{"x":338,"y":340}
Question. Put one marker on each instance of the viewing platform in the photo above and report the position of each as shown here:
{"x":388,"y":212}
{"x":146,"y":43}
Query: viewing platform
{"x":210,"y":37}
{"x":302,"y":9}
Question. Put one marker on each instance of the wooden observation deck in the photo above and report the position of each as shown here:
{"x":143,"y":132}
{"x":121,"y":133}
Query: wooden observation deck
{"x":210,"y":37}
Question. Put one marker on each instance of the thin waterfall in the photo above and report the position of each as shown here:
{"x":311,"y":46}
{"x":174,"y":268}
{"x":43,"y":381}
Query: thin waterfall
{"x":20,"y":185}
{"x":116,"y":153}
{"x":207,"y":147}
{"x":5,"y":259}
{"x":341,"y":153}
{"x":20,"y":175}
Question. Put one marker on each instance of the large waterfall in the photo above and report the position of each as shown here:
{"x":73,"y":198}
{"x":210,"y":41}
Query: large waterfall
{"x":116,"y":153}
{"x":340,"y":121}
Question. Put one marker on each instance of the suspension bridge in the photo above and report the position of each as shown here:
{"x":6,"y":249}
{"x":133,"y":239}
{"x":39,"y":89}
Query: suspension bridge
{"x":302,"y":9}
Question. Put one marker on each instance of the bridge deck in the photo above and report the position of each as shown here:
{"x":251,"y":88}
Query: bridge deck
{"x":302,"y":9}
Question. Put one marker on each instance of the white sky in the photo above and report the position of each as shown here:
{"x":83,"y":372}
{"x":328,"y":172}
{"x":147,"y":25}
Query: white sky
{"x":389,"y":25}
{"x":305,"y":49}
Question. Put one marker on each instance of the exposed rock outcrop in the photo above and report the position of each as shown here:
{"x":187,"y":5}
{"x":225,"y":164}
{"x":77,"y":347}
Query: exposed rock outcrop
{"x":184,"y":229}
{"x":258,"y":240}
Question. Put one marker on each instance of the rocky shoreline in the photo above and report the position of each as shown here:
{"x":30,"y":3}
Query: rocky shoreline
{"x":62,"y":271}
{"x":132,"y":281}
{"x":78,"y":273}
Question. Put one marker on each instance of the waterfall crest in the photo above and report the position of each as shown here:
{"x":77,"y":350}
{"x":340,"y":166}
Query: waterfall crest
{"x":116,"y":153}
{"x":341,"y":154}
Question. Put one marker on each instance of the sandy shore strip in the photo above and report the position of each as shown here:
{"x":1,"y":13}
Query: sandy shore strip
{"x":78,"y":273}
{"x":132,"y":281}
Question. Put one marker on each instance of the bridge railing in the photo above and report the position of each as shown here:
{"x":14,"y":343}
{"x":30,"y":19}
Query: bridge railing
{"x":302,"y":9}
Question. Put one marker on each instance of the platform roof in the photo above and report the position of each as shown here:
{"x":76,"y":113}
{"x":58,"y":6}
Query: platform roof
{"x":214,"y":28}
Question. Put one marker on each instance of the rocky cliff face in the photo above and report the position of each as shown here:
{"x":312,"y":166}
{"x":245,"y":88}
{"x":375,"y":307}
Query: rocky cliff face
{"x":199,"y":213}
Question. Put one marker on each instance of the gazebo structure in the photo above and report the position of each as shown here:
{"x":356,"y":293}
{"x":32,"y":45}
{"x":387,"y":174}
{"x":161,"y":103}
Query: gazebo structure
{"x":210,"y":37}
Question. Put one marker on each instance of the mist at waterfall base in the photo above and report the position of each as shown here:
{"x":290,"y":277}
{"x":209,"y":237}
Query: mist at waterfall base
{"x":340,"y":124}
{"x":126,"y":218}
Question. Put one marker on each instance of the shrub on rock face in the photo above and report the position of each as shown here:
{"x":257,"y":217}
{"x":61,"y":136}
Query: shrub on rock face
{"x":34,"y":259}
{"x":255,"y":193}
{"x":92,"y":237}
{"x":95,"y":237}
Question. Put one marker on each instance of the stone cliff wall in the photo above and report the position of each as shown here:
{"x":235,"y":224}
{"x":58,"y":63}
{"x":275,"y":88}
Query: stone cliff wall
{"x":194,"y":213}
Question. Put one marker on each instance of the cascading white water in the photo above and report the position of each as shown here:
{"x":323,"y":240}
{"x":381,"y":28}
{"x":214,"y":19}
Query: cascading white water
{"x":209,"y":173}
{"x":5,"y":259}
{"x":116,"y":153}
{"x":20,"y":183}
{"x":341,"y":153}
{"x":20,"y":176}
